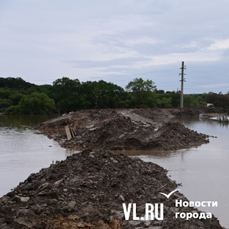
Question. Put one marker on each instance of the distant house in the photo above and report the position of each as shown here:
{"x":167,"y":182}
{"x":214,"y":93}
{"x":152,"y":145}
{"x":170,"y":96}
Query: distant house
{"x":210,"y":105}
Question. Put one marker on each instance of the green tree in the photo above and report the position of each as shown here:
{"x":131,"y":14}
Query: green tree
{"x":13,"y":110}
{"x":194,"y":101}
{"x":4,"y":94}
{"x":164,"y":101}
{"x":36,"y":103}
{"x":16,"y":83}
{"x":142,"y":90}
{"x":101,"y":94}
{"x":218,"y":100}
{"x":175,"y":102}
{"x":65,"y":93}
{"x":107,"y":95}
{"x":5,"y":103}
{"x":15,"y":98}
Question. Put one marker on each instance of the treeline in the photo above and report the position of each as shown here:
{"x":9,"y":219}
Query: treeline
{"x":64,"y":95}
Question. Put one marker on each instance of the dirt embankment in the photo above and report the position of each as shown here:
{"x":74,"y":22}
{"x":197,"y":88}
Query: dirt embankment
{"x":124,"y":129}
{"x":196,"y":111}
{"x":86,"y":191}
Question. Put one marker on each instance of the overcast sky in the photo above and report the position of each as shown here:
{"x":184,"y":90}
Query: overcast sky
{"x":117,"y":41}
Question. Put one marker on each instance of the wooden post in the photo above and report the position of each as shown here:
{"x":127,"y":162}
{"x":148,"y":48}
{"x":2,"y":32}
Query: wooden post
{"x":67,"y":130}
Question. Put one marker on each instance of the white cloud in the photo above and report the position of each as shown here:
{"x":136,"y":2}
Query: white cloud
{"x":85,"y":39}
{"x":219,"y":45}
{"x":215,"y":85}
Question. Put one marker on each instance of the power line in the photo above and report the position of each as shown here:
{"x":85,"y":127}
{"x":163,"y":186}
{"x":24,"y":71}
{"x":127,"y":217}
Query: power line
{"x":182,"y":83}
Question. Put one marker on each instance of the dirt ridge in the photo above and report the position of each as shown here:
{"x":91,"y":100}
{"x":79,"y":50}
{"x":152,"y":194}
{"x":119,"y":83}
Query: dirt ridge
{"x":87,"y":191}
{"x":123,"y":129}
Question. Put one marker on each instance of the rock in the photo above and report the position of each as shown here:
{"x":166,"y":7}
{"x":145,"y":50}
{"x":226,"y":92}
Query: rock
{"x":52,"y":201}
{"x":4,"y":199}
{"x":73,"y":217}
{"x":72,"y":204}
{"x":121,"y":198}
{"x":21,"y":223}
{"x":43,"y":186}
{"x":58,"y":182}
{"x":91,"y":154}
{"x":115,"y":161}
{"x":80,"y":225}
{"x":114,"y":224}
{"x":24,"y":199}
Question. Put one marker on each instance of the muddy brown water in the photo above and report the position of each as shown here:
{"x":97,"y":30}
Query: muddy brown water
{"x":22,"y":151}
{"x":203,"y":170}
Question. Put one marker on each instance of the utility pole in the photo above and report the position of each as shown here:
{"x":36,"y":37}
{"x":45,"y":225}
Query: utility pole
{"x":182,"y":83}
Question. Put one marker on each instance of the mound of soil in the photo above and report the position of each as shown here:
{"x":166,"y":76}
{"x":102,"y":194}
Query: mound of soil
{"x":122,"y":129}
{"x":87,"y":190}
{"x":195,"y":111}
{"x":176,"y":136}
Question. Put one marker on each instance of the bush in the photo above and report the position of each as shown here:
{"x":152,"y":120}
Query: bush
{"x":5,"y":103}
{"x":36,"y":103}
{"x":13,"y":110}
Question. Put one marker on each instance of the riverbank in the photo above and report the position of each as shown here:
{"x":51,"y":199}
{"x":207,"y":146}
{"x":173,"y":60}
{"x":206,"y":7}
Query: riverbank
{"x":126,"y":129}
{"x":87,"y":191}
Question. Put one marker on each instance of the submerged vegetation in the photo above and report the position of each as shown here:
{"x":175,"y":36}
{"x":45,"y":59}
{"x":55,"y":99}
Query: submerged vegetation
{"x":64,"y":95}
{"x":223,"y":119}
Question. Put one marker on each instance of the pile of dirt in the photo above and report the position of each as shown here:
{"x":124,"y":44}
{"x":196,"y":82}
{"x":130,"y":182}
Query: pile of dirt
{"x":121,"y":129}
{"x":176,"y":136}
{"x":87,"y":190}
{"x":195,"y":111}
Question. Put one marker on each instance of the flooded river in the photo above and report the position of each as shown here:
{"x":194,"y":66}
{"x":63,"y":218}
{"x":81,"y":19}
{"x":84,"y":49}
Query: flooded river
{"x":23,"y":151}
{"x":203,"y":171}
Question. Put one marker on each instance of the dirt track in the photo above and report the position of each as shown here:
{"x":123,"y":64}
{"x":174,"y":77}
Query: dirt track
{"x":86,"y":191}
{"x":124,"y":129}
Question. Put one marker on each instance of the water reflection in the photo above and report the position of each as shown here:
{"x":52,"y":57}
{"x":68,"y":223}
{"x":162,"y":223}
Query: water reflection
{"x":149,"y":153}
{"x":223,"y":124}
{"x":21,"y":122}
